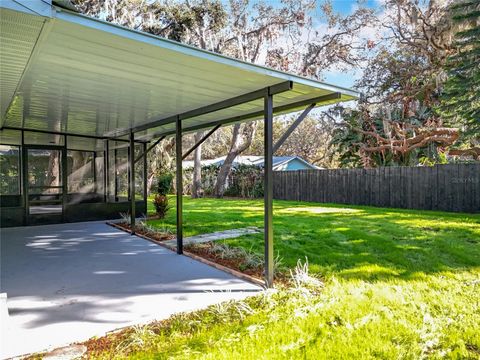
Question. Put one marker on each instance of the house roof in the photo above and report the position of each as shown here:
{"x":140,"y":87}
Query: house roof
{"x":278,"y":161}
{"x":66,"y":72}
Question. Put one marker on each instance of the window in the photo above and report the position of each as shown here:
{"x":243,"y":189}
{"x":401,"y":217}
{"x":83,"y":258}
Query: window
{"x":9,"y":170}
{"x":80,"y":170}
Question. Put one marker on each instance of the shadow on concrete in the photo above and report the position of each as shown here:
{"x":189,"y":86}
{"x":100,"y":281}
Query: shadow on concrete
{"x":87,"y":278}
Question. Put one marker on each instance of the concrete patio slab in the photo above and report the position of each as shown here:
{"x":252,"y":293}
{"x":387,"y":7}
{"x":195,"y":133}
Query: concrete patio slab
{"x":69,"y":282}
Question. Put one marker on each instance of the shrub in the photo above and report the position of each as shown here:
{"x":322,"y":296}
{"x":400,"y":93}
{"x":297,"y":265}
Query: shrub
{"x":164,"y":183}
{"x":258,"y":189}
{"x":161,"y":205}
{"x":245,"y":181}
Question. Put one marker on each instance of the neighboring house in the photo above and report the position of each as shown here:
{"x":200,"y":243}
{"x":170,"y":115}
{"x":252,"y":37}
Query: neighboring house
{"x":280,"y":163}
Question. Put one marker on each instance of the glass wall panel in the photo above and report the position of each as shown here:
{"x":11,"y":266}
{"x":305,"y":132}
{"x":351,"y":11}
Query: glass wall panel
{"x":122,"y":193}
{"x":45,"y":182}
{"x":99,"y":172}
{"x":111,"y":173}
{"x":138,"y":172}
{"x":80,"y":170}
{"x":44,"y":171}
{"x":9,"y":170}
{"x":118,"y":171}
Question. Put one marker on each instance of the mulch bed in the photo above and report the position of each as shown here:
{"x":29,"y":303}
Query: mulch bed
{"x":108,"y":342}
{"x":232,"y":263}
{"x":155,"y":236}
{"x":234,"y":266}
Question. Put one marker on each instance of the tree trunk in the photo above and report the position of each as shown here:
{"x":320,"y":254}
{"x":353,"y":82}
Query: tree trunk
{"x":151,"y":178}
{"x":160,"y":158}
{"x":78,"y":172}
{"x":241,"y":140}
{"x":197,"y":168}
{"x":53,"y":171}
{"x":223,"y":173}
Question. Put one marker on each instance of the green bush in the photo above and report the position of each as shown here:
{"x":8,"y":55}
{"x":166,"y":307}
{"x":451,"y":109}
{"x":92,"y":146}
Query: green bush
{"x":164,"y":183}
{"x":245,"y":181}
{"x":233,"y":190}
{"x":258,"y":189}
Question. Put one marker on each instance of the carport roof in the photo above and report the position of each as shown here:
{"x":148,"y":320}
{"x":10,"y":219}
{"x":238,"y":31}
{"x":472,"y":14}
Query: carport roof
{"x":62,"y":71}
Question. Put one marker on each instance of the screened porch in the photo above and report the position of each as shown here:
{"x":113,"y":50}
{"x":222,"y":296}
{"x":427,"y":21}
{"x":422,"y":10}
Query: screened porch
{"x":50,"y":177}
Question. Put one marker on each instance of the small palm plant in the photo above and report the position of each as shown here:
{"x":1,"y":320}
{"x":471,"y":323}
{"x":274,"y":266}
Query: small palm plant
{"x":164,"y":185}
{"x":161,"y":205}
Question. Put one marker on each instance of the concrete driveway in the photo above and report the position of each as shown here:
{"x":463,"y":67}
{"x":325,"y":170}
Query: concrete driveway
{"x":69,"y":282}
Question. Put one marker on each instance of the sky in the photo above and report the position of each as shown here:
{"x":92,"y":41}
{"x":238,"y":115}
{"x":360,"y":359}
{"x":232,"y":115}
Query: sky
{"x":344,"y":7}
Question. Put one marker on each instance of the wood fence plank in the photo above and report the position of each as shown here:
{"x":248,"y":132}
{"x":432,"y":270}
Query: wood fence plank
{"x":442,"y":198}
{"x":458,"y":195}
{"x":475,"y":175}
{"x":451,"y":187}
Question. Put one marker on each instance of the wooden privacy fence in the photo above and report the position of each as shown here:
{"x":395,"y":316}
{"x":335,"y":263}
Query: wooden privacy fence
{"x":453,"y":187}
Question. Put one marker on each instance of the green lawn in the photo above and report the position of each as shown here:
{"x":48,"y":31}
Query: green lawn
{"x":398,"y":284}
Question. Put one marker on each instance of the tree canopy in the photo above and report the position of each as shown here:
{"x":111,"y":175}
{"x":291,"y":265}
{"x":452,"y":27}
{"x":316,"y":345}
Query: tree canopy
{"x":416,"y":70}
{"x":460,"y":99}
{"x":418,"y":66}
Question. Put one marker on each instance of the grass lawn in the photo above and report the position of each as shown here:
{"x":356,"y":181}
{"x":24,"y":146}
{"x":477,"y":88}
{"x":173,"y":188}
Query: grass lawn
{"x":398,"y":284}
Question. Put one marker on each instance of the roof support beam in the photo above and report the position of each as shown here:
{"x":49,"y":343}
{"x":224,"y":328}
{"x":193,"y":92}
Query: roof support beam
{"x":149,"y":148}
{"x":317,"y":100}
{"x":53,"y":132}
{"x":224,"y":104}
{"x":292,"y":127}
{"x":201,"y":141}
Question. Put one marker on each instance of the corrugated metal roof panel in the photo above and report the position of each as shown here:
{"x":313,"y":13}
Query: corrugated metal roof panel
{"x":93,"y":78}
{"x":18,"y":35}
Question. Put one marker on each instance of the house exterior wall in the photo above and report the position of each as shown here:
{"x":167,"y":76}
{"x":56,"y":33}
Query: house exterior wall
{"x":296,"y":164}
{"x":292,"y":165}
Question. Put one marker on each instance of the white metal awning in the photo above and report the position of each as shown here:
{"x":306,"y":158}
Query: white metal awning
{"x":64,"y":72}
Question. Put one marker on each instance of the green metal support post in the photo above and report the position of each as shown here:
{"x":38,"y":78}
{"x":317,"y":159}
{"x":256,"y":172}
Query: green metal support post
{"x":106,"y":171}
{"x":145,"y":175}
{"x":115,"y":174}
{"x":131,"y":178}
{"x":64,"y":170}
{"x":178,"y":159}
{"x":268,"y":192}
{"x":24,"y":179}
